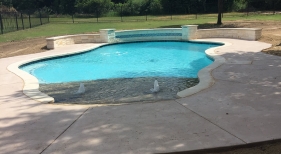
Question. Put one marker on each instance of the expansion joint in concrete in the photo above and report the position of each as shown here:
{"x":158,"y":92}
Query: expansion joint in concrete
{"x":212,"y":122}
{"x":64,"y":131}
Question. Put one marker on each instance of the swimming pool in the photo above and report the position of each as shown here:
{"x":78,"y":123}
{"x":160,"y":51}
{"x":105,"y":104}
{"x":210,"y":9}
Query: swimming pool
{"x":125,"y":60}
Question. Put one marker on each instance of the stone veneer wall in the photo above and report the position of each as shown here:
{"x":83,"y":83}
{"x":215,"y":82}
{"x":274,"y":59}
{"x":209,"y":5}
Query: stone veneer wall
{"x":187,"y":32}
{"x":55,"y":42}
{"x":252,"y":34}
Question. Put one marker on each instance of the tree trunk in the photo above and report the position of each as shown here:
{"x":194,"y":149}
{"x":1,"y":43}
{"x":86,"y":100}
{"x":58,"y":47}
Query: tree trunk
{"x":220,"y":6}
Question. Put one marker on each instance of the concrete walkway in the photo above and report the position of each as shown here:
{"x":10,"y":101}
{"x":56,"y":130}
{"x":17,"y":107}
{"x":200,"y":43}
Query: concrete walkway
{"x":243,"y":106}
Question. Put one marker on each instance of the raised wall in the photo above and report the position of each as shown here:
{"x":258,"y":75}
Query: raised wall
{"x":252,"y":34}
{"x":187,"y":32}
{"x":104,"y":36}
{"x":55,"y":42}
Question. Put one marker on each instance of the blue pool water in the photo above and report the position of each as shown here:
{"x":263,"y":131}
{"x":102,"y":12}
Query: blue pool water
{"x":125,"y":60}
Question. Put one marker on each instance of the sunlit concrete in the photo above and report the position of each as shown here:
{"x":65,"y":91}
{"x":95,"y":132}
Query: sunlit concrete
{"x":243,"y":106}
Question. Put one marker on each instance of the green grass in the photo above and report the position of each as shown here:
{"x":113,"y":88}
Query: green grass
{"x":88,"y":25}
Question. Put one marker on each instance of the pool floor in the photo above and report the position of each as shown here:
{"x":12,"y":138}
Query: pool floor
{"x":116,"y":91}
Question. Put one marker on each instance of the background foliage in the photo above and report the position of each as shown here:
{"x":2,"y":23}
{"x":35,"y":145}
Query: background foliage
{"x":140,"y":7}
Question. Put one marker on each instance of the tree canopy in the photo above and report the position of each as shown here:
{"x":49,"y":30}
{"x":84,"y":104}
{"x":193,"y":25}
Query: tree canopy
{"x":140,"y":7}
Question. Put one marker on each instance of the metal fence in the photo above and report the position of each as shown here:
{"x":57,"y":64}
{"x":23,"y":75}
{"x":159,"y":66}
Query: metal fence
{"x":119,"y":14}
{"x":14,"y":21}
{"x":92,"y":18}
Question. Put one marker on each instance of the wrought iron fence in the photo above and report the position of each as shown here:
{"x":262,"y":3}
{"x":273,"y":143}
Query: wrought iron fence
{"x":14,"y":21}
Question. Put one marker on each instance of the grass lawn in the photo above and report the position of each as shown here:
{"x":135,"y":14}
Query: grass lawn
{"x":64,"y":26}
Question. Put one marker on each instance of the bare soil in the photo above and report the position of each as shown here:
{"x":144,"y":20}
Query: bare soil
{"x":24,"y":47}
{"x":271,"y":34}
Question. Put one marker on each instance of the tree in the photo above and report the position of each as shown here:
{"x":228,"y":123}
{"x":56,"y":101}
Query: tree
{"x":155,"y":7}
{"x":119,"y":1}
{"x":132,"y":7}
{"x":220,"y":7}
{"x":272,"y":4}
{"x":68,"y":6}
{"x":31,"y":4}
{"x":94,"y":6}
{"x":24,"y":4}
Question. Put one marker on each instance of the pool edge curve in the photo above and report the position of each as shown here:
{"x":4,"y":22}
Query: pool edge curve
{"x":31,"y":84}
{"x":204,"y":75}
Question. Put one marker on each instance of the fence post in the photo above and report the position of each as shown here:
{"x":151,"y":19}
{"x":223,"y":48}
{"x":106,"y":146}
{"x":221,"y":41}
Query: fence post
{"x":171,"y":9}
{"x":248,"y":8}
{"x":145,"y":15}
{"x":97,"y":16}
{"x":17,"y":21}
{"x":171,"y":12}
{"x":1,"y":23}
{"x":29,"y":20}
{"x":196,"y":16}
{"x":22,"y":21}
{"x":121,"y":12}
{"x":72,"y":18}
{"x":48,"y":18}
{"x":40,"y":17}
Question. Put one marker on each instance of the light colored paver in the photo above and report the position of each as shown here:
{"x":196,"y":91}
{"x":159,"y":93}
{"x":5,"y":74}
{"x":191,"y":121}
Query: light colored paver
{"x":243,"y":106}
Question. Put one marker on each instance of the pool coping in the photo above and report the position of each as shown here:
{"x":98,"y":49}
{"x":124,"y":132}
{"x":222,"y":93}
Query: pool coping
{"x":204,"y":75}
{"x":31,"y":84}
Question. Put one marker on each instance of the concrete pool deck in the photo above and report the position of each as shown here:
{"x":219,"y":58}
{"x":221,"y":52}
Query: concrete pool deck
{"x":243,"y":106}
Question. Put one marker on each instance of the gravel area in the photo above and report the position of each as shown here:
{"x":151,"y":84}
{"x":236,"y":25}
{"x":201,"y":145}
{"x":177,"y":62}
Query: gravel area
{"x":115,"y":91}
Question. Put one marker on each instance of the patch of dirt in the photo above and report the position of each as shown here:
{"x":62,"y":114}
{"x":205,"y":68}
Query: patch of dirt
{"x":24,"y":47}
